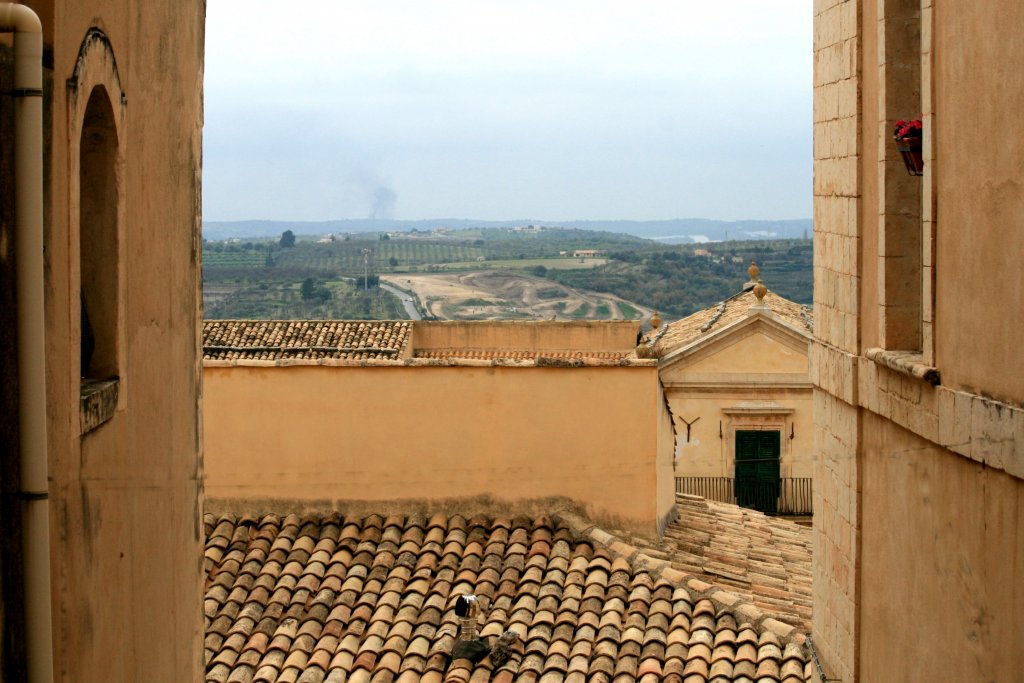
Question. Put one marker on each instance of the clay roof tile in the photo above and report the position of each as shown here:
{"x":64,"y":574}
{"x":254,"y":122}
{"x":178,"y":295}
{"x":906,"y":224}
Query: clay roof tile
{"x":316,"y":599}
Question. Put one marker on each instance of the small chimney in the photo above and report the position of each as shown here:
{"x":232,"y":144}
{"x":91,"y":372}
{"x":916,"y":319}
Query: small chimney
{"x":469,"y":645}
{"x":467,"y":609}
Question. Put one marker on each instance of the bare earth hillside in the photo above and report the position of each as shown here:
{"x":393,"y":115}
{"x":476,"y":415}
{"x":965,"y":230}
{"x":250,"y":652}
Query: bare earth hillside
{"x":505,"y":295}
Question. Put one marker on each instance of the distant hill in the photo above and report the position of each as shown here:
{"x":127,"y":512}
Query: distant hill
{"x":257,"y":277}
{"x":677,"y":282}
{"x":675,"y":231}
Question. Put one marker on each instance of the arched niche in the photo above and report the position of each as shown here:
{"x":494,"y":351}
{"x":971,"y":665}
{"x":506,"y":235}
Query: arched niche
{"x":96,"y":220}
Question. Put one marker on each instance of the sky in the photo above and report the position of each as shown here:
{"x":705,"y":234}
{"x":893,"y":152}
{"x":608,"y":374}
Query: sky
{"x":548,"y":110}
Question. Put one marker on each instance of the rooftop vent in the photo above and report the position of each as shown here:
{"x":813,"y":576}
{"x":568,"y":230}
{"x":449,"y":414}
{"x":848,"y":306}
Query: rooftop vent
{"x":469,"y":646}
{"x":467,"y":609}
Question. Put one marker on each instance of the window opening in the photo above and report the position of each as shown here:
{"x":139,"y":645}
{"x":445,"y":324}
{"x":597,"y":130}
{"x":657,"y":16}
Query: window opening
{"x":98,"y":239}
{"x":901,"y":243}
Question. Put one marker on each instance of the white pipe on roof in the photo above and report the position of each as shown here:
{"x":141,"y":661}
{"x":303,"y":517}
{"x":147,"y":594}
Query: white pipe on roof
{"x":28,"y":225}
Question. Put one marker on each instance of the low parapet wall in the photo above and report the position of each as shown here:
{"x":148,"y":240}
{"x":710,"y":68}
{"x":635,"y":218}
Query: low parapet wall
{"x":583,"y":336}
{"x":315,"y":431}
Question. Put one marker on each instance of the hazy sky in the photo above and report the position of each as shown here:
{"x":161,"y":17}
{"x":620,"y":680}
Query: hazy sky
{"x":502,"y":109}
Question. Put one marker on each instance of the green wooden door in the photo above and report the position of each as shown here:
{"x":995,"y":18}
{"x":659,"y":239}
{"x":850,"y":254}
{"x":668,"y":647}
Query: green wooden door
{"x":757,"y":470}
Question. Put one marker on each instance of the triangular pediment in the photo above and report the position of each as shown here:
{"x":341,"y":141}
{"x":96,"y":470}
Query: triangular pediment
{"x":756,"y":346}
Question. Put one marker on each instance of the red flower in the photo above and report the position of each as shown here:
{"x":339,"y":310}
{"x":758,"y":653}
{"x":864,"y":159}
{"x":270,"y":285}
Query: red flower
{"x":908,"y":129}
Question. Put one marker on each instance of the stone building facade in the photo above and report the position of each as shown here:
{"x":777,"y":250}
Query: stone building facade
{"x":122,"y":120}
{"x":919,"y":503}
{"x":735,"y":376}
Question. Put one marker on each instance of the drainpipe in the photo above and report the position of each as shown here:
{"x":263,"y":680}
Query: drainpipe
{"x":28,"y":225}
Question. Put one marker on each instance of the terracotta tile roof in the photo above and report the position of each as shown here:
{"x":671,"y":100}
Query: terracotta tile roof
{"x":686,"y":330}
{"x":764,"y":560}
{"x":304,"y":339}
{"x":491,"y":354}
{"x":328,"y":599}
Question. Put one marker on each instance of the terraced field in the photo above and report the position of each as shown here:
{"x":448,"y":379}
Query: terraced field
{"x":507,"y":295}
{"x":346,"y":257}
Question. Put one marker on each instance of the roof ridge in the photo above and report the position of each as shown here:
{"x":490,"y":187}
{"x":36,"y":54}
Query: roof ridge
{"x":299,"y":320}
{"x":297,"y":347}
{"x":736,"y":605}
{"x":723,"y":315}
{"x":289,"y":339}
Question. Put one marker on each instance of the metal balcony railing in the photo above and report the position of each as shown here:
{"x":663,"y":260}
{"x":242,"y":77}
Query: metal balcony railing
{"x":792,"y":495}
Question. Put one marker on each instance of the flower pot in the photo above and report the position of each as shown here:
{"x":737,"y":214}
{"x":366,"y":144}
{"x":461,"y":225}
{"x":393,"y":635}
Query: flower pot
{"x":910,"y":150}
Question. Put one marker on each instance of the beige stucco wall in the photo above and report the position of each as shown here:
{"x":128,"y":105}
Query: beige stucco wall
{"x":320,"y":433}
{"x":979,"y":288}
{"x":665,"y":481}
{"x":709,"y":455}
{"x":536,"y":336}
{"x":943,"y":563}
{"x":125,"y":498}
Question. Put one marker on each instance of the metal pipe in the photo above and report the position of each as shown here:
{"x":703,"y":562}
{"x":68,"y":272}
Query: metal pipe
{"x":28,"y":224}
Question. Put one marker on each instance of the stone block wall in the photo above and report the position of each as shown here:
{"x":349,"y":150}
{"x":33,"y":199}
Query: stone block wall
{"x":837,"y":211}
{"x":837,"y":509}
{"x":836,"y":163}
{"x":918,"y":404}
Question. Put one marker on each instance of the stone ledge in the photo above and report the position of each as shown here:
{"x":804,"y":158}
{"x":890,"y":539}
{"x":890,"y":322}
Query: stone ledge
{"x":97,"y":402}
{"x":982,"y":429}
{"x":974,"y":426}
{"x":906,"y":362}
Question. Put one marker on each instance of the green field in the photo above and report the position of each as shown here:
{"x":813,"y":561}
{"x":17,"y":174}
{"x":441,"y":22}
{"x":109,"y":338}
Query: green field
{"x":628,"y":312}
{"x":581,"y":310}
{"x":248,"y":258}
{"x":283,"y":301}
{"x":676,"y":282}
{"x":347,"y":257}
